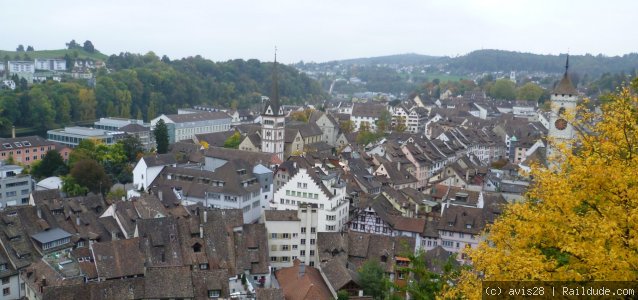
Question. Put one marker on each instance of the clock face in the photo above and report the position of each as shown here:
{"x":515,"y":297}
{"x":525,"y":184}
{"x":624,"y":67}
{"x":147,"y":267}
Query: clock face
{"x":561,"y":124}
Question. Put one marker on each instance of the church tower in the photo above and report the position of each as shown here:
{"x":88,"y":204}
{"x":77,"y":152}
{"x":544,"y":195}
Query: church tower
{"x":273,"y":121}
{"x":563,"y":100}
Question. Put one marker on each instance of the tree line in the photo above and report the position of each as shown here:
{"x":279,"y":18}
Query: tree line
{"x":145,"y":86}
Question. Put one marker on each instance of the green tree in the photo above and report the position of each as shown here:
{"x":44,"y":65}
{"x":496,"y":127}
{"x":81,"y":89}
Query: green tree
{"x":233,"y":141}
{"x":343,"y":295}
{"x":384,"y":122}
{"x":132,"y":147}
{"x":86,"y":149}
{"x":503,"y":89}
{"x":161,"y":136}
{"x":426,"y":284}
{"x":346,"y":126}
{"x":530,"y":91}
{"x":373,"y":280}
{"x":72,"y":188}
{"x":41,"y":112}
{"x":90,"y":174}
{"x":72,"y":45}
{"x":30,"y":48}
{"x":88,"y":47}
{"x":20,"y":48}
{"x":51,"y":165}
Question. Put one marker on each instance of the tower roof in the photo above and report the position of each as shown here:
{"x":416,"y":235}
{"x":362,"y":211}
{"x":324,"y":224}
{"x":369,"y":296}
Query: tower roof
{"x":565,"y":85}
{"x":273,"y":102}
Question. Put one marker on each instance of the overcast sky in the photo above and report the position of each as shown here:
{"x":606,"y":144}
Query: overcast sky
{"x":323,"y":30}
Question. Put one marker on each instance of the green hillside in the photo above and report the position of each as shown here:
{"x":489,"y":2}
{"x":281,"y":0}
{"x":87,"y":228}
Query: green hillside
{"x":79,"y":53}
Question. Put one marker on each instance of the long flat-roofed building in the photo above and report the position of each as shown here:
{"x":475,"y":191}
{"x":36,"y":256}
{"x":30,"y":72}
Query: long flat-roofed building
{"x":72,"y":136}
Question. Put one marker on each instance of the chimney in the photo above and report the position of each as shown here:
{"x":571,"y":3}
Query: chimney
{"x":13,"y":132}
{"x":360,"y":293}
{"x":201,"y":231}
{"x":205,"y":216}
{"x":160,"y":196}
{"x":77,"y":220}
{"x":39,"y":212}
{"x":113,"y":236}
{"x":398,"y":166}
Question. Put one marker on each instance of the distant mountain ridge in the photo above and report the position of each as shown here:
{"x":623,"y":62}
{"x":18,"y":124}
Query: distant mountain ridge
{"x":491,"y":60}
{"x":396,"y":59}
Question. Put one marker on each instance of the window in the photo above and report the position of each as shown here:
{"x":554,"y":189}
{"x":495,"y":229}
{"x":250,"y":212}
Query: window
{"x":302,"y":252}
{"x":273,"y":258}
{"x":294,"y":235}
{"x":313,"y":230}
{"x":214,"y":293}
{"x":303,"y":229}
{"x":286,"y":235}
{"x":285,"y":247}
{"x":355,"y":226}
{"x":330,"y":227}
{"x":312,"y":252}
{"x":448,"y":244}
{"x":5,"y":280}
{"x":273,"y":235}
{"x":312,"y":241}
{"x":303,"y":241}
{"x":6,"y":291}
{"x":294,"y":247}
{"x":203,"y":266}
{"x":378,"y":220}
{"x":285,"y":258}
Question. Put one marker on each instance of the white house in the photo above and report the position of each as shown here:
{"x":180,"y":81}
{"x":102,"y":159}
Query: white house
{"x":149,"y":167}
{"x":50,"y":64}
{"x":292,"y":234}
{"x":309,"y":185}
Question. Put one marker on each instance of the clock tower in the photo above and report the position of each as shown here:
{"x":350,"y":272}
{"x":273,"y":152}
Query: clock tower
{"x":273,"y":121}
{"x":563,"y":102}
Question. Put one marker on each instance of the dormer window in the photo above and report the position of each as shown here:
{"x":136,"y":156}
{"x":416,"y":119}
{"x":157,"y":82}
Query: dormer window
{"x":468,"y":226}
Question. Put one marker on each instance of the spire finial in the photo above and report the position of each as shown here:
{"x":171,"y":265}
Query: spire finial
{"x":567,"y":63}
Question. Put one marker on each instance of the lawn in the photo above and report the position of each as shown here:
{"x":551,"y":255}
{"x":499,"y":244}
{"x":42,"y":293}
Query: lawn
{"x":54,"y":54}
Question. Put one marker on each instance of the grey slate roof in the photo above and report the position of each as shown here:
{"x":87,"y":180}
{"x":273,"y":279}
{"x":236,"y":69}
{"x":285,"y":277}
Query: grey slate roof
{"x":51,"y":235}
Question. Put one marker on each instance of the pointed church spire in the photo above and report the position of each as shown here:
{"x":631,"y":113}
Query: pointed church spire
{"x":274,"y":101}
{"x":565,"y":86}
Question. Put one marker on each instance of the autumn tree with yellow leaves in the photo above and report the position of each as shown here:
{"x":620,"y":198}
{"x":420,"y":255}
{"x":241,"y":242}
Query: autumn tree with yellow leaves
{"x":580,"y":221}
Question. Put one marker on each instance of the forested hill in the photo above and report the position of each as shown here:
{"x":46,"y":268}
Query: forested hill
{"x":144,"y":86}
{"x":398,"y":59}
{"x":482,"y":61}
{"x":499,"y":60}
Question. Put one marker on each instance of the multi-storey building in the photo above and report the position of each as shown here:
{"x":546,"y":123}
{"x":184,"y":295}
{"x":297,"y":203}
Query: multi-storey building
{"x":185,"y":126}
{"x":292,"y":234}
{"x":15,"y":187}
{"x":72,"y":136}
{"x":310,"y":185}
{"x":29,"y":149}
{"x":50,"y":64}
{"x":24,"y":69}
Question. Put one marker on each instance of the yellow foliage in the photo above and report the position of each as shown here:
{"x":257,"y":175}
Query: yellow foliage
{"x":204,"y":144}
{"x":580,"y":220}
